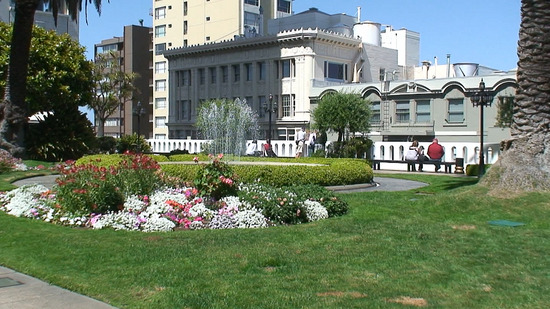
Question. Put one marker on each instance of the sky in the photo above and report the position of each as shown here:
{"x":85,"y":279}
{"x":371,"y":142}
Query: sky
{"x":479,"y":31}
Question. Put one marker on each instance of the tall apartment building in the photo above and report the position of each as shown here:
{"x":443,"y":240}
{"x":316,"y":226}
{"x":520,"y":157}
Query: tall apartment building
{"x":43,"y":17}
{"x":134,"y":54}
{"x":178,"y":23}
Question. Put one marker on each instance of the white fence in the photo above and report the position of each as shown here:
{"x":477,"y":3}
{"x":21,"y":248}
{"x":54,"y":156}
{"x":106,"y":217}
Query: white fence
{"x":381,"y":150}
{"x":468,"y":151}
{"x":281,"y":148}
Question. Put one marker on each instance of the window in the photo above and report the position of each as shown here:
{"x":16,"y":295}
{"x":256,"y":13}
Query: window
{"x":262,"y":102}
{"x":236,"y":72}
{"x":375,"y":108}
{"x":185,"y":8}
{"x":159,"y":48}
{"x":183,"y":78}
{"x":160,"y":103}
{"x":202,"y":77}
{"x":225,"y":74}
{"x":336,"y":70}
{"x":423,"y":113}
{"x":261,"y":70}
{"x":289,"y":105}
{"x":185,"y":27}
{"x":455,"y":110}
{"x":505,"y":112}
{"x":283,"y":6}
{"x":181,"y":109}
{"x":160,"y":67}
{"x":160,"y":13}
{"x":251,"y":2}
{"x":252,"y":20}
{"x":160,"y":31}
{"x":160,"y":136}
{"x":111,"y":122}
{"x":286,"y":67}
{"x":248,"y":71}
{"x":107,"y":48}
{"x":213,"y":75}
{"x":208,"y":38}
{"x":160,"y":122}
{"x":402,"y":112}
{"x":160,"y":85}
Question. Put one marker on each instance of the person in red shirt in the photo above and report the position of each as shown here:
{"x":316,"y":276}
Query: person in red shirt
{"x":436,"y":152}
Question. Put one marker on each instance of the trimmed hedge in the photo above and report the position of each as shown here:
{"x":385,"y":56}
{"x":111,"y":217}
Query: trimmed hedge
{"x":332,"y":172}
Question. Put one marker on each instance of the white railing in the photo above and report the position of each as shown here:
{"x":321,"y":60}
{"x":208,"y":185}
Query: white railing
{"x":380,"y":150}
{"x":281,"y":148}
{"x":468,"y":151}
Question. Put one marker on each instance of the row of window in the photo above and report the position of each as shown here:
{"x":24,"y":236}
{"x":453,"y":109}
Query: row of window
{"x":287,"y":107}
{"x":422,"y":111}
{"x":233,"y":73}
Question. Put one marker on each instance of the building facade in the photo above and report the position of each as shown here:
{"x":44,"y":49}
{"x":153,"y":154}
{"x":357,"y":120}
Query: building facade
{"x":133,"y":52}
{"x":43,"y":17}
{"x":178,"y":23}
{"x":285,"y":67}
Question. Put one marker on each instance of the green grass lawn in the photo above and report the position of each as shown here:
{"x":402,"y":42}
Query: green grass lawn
{"x":430,"y":246}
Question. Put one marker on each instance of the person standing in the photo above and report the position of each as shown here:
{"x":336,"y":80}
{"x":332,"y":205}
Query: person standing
{"x":436,"y":152}
{"x":300,"y":139}
{"x":311,"y":143}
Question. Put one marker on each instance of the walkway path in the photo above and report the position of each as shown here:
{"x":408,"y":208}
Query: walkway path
{"x":19,"y":291}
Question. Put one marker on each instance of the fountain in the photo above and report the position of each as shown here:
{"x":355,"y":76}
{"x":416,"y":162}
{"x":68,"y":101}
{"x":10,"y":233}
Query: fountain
{"x":227,"y":124}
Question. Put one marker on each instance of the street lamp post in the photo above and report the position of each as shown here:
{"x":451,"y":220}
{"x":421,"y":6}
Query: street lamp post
{"x":139,"y":111}
{"x":270,"y":108}
{"x":481,"y":98}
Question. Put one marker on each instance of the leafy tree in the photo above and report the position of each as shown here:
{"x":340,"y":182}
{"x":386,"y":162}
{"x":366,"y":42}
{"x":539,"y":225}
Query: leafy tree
{"x":13,"y":108}
{"x":113,"y":86}
{"x":59,"y":82}
{"x":341,"y":113}
{"x":524,"y":163}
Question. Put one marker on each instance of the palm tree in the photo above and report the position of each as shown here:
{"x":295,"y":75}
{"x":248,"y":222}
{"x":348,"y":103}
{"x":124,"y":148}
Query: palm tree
{"x":13,"y":120}
{"x":524,"y":163}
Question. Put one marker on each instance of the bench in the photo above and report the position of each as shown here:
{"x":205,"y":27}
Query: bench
{"x":411,"y":165}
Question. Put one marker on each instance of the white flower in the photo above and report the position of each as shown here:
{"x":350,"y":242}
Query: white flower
{"x":315,"y":211}
{"x":250,"y":218}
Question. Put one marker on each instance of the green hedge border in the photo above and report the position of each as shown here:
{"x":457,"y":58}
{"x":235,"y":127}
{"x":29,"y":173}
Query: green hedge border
{"x":331,"y":172}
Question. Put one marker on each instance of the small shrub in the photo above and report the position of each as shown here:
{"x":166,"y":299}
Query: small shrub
{"x":106,"y":144}
{"x":215,"y":179}
{"x":132,"y":143}
{"x":91,"y":188}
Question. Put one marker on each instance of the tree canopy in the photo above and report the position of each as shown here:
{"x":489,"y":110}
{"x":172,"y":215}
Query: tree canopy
{"x":112,"y":87}
{"x":13,"y":108}
{"x":341,"y":113}
{"x":59,"y":81}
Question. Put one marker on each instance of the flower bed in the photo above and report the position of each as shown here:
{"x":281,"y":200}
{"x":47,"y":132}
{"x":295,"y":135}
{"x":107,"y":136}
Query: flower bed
{"x":135,"y":195}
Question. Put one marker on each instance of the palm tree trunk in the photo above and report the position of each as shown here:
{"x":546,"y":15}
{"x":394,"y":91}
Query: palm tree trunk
{"x":526,"y":157}
{"x":13,"y":110}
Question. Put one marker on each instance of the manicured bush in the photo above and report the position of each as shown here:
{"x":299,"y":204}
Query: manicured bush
{"x":329,"y":172}
{"x":332,"y":172}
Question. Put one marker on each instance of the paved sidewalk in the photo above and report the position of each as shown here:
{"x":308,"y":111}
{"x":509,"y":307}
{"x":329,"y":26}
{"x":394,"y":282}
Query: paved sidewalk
{"x":19,"y":291}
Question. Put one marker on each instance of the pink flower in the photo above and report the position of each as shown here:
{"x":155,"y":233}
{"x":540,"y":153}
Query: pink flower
{"x":196,"y":159}
{"x":220,"y":155}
